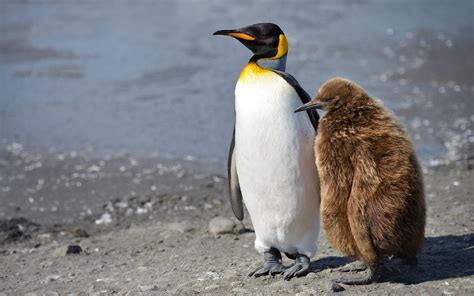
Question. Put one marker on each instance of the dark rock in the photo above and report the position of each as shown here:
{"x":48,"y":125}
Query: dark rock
{"x":79,"y":232}
{"x":241,"y":229}
{"x":336,"y":287}
{"x":73,"y":249}
{"x":16,"y":229}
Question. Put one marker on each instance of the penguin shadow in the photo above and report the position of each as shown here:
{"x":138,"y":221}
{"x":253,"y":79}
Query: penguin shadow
{"x":443,"y":257}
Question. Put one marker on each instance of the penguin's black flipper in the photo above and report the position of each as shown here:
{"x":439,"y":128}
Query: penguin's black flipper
{"x":234,"y":186}
{"x":304,"y":96}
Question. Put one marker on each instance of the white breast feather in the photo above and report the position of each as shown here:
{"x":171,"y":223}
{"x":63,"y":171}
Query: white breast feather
{"x":275,"y":164}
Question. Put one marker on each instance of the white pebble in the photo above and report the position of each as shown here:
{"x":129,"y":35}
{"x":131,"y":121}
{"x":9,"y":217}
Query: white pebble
{"x":141,"y":211}
{"x":106,"y":218}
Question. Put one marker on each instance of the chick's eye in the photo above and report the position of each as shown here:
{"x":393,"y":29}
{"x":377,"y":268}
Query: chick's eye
{"x":327,"y":99}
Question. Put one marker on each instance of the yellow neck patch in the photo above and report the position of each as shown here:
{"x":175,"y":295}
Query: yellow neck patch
{"x":251,"y":72}
{"x":282,"y":48}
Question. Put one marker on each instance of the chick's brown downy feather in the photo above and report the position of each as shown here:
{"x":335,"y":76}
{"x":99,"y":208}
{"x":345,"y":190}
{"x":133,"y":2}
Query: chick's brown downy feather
{"x":373,"y":202}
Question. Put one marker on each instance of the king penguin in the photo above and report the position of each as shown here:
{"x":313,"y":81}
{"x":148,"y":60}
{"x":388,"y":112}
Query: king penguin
{"x":271,"y":164}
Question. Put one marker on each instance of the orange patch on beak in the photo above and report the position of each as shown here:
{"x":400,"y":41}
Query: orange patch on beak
{"x":242,"y":36}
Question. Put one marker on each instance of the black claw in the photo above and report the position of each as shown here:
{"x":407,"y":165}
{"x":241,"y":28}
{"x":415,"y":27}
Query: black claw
{"x":277,"y":269}
{"x":272,"y":264}
{"x":290,"y":273}
{"x":261,"y":272}
{"x":299,"y":268}
{"x":302,"y":272}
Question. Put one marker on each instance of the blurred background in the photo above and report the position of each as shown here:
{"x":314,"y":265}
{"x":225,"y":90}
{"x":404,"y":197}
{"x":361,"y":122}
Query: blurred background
{"x":140,"y":80}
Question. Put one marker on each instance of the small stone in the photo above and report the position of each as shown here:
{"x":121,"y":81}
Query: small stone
{"x":73,"y":249}
{"x":102,"y":286}
{"x":79,"y":232}
{"x":220,"y":225}
{"x":211,"y":287}
{"x":148,"y":288}
{"x":105,"y":280}
{"x":104,"y":219}
{"x":60,"y":252}
{"x":141,"y":211}
{"x":44,"y":236}
{"x":50,"y":278}
{"x":121,"y":204}
{"x":335,"y":287}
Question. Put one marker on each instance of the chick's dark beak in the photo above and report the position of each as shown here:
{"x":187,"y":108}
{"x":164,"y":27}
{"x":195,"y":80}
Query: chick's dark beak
{"x":309,"y":105}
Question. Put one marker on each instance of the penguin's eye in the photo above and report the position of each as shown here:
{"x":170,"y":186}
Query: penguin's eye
{"x":327,"y":99}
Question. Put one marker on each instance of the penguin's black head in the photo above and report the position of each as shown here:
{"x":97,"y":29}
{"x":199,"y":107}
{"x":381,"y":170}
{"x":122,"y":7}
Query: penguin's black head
{"x":265,"y":40}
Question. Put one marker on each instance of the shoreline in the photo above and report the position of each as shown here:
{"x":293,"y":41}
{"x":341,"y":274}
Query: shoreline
{"x":44,"y":185}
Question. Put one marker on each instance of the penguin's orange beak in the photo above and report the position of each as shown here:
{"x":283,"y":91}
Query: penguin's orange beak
{"x":310,"y":105}
{"x":235,"y":33}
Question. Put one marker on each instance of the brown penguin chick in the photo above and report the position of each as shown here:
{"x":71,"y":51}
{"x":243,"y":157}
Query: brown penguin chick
{"x":373,"y":203}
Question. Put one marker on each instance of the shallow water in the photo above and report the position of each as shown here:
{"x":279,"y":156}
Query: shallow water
{"x":150,"y":77}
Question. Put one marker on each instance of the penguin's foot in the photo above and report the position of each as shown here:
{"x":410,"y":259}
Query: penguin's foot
{"x":369,"y":277}
{"x":352,"y":267}
{"x":298,"y":269}
{"x":398,"y":264}
{"x":271,"y":265}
